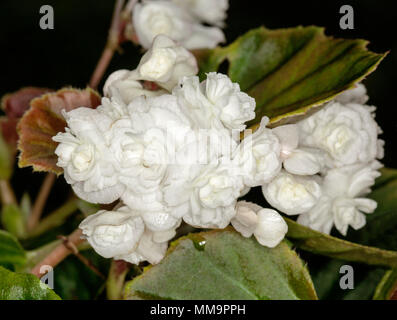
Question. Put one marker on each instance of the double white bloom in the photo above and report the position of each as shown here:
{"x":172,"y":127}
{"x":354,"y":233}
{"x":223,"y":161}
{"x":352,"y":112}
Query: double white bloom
{"x":343,"y":202}
{"x":181,"y":21}
{"x":329,"y":164}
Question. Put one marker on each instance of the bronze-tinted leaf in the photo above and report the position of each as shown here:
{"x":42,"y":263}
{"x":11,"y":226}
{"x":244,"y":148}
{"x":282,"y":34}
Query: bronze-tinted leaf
{"x":15,"y":104}
{"x":43,"y":121}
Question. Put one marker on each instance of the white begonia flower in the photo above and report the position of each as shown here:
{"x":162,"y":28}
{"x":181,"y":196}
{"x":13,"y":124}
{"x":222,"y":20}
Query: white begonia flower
{"x":348,"y":133}
{"x":358,"y":95}
{"x":268,"y":227}
{"x":209,"y":11}
{"x":152,"y":18}
{"x":83,"y":153}
{"x":205,"y":196}
{"x":148,"y":249}
{"x":113,"y":233}
{"x":216,"y":102}
{"x":343,"y":202}
{"x":292,"y":194}
{"x":166,"y":62}
{"x":126,"y":86}
{"x":258,"y":156}
{"x":144,"y":145}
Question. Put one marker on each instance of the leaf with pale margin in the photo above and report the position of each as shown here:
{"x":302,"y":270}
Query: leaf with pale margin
{"x":291,"y":71}
{"x":224,"y":265}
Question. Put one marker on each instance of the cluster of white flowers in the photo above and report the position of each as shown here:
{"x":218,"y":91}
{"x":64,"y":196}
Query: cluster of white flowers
{"x":169,"y":148}
{"x":329,"y":164}
{"x":182,"y":21}
{"x":169,"y":155}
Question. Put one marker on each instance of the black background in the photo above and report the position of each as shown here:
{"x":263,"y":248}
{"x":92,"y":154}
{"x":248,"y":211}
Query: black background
{"x":68,"y":54}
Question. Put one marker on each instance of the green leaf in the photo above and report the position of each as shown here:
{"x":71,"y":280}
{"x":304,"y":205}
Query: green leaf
{"x":43,"y":121}
{"x":13,"y":220}
{"x":11,"y":252}
{"x":320,"y":243}
{"x":387,"y":287}
{"x":224,"y":265}
{"x":290,"y":71}
{"x":5,"y":159}
{"x":23,"y":286}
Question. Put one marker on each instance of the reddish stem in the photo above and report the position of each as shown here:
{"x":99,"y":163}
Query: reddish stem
{"x":59,"y":253}
{"x":111,"y":46}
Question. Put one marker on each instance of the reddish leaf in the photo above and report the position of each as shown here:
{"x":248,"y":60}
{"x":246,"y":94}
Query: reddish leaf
{"x":15,"y":105}
{"x":43,"y":121}
{"x":8,"y":128}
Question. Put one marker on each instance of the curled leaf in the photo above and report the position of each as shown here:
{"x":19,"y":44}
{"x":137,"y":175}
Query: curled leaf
{"x":43,"y":121}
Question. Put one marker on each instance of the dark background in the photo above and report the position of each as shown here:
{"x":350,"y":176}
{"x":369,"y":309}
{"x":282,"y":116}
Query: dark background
{"x":68,"y":54}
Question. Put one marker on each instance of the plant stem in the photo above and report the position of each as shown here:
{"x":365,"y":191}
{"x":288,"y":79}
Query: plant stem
{"x":73,"y":248}
{"x":111,"y":46}
{"x":7,"y":194}
{"x":41,"y":200}
{"x":55,"y":218}
{"x":115,"y":282}
{"x":59,"y":253}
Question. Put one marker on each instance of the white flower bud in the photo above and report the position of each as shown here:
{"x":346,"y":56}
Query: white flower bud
{"x":292,"y":194}
{"x":166,"y":62}
{"x":297,"y":160}
{"x":152,"y":18}
{"x":113,"y":233}
{"x":268,"y":227}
